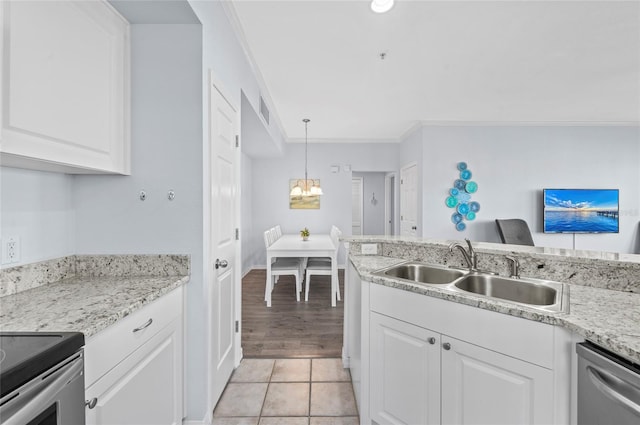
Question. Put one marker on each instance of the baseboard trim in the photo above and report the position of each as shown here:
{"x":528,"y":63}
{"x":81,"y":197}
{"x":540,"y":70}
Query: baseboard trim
{"x":184,"y":422}
{"x":345,"y":359}
{"x":207,"y":420}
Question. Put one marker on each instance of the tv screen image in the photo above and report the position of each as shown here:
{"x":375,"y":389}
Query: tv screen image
{"x":581,"y":211}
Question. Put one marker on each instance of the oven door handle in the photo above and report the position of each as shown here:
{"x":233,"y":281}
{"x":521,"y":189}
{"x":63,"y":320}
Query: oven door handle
{"x":47,"y":395}
{"x":606,"y":383}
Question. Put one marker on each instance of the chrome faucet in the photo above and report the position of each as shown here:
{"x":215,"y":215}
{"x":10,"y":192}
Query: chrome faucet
{"x":470,"y":256}
{"x":515,"y":266}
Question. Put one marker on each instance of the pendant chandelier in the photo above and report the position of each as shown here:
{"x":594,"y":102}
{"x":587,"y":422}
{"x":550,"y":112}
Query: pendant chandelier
{"x":306,"y":187}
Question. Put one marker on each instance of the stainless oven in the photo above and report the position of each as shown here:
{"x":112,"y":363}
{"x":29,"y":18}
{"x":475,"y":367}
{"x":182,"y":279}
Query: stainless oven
{"x":608,"y":387}
{"x":42,"y":379}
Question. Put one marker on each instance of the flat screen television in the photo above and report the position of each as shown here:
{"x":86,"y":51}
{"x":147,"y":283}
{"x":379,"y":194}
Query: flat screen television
{"x":581,"y":210}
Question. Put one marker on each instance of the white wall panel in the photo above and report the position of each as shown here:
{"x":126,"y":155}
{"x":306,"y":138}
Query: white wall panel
{"x":37,"y":207}
{"x":513,"y":164}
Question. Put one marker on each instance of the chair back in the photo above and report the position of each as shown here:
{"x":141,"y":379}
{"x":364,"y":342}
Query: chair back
{"x":273,"y":234}
{"x":335,"y":237}
{"x":278,"y":231}
{"x":514,"y":231}
{"x":267,"y":239}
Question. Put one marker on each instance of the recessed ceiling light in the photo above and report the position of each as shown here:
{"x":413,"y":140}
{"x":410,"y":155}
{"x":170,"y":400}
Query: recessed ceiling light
{"x":381,"y":6}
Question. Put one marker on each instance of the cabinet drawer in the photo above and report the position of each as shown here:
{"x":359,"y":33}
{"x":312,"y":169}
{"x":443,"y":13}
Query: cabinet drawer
{"x":107,"y":348}
{"x":520,"y":338}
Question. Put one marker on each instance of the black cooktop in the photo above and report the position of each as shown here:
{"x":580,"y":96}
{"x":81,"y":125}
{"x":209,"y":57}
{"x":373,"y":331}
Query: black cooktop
{"x":25,"y":355}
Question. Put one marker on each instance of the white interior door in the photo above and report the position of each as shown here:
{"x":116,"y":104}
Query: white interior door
{"x":409,"y":200}
{"x":223,"y":122}
{"x":356,"y":206}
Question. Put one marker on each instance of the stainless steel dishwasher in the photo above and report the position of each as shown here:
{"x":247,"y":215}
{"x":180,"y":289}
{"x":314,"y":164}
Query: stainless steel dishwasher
{"x":608,"y":387}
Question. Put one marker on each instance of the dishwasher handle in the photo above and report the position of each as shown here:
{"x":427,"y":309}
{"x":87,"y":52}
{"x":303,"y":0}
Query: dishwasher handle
{"x":606,"y":383}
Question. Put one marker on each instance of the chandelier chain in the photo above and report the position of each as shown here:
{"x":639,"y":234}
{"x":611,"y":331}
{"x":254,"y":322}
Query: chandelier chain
{"x":306,"y":147}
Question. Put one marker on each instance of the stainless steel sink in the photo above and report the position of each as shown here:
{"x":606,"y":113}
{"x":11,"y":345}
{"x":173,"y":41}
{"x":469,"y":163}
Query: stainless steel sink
{"x":508,"y":289}
{"x":541,"y":294}
{"x":422,"y":273}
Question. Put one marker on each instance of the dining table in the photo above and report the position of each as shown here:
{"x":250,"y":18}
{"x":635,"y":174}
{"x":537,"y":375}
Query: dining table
{"x":316,"y":245}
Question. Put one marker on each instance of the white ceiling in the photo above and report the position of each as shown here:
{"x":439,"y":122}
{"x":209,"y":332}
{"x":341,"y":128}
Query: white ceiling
{"x":570,"y":61}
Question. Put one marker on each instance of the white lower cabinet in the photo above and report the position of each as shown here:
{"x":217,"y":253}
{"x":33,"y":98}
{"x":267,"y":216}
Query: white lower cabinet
{"x":142,"y":384}
{"x":432,"y":361}
{"x":141,"y":389}
{"x":480,"y":386}
{"x":405,"y":373}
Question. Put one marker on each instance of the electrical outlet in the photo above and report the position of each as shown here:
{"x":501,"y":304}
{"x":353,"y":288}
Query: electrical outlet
{"x":11,"y":250}
{"x":369,"y":248}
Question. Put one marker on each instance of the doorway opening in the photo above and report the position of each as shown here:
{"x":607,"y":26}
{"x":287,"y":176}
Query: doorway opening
{"x":373,"y":207}
{"x":290,"y":329}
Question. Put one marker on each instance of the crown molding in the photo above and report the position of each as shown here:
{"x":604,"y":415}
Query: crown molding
{"x":232,"y":16}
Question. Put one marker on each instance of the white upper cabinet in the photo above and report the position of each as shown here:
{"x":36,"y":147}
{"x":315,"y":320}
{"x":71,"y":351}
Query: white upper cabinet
{"x":65,"y":87}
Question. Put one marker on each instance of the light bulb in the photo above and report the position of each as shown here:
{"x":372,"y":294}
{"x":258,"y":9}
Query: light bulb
{"x":381,"y":6}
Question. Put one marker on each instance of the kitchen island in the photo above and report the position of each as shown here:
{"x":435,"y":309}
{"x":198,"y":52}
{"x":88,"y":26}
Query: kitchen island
{"x":391,"y":325}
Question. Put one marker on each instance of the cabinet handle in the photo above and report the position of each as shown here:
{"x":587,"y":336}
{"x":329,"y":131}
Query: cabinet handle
{"x":146,"y":325}
{"x":91,"y":403}
{"x":431,"y":340}
{"x":446,"y":346}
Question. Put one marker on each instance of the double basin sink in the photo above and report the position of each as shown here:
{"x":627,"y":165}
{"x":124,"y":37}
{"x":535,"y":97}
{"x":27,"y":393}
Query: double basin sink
{"x":539,"y":294}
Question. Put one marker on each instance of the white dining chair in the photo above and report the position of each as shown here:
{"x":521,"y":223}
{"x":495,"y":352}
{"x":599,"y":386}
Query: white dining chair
{"x":322,"y":267}
{"x":283,"y":266}
{"x":334,"y":230}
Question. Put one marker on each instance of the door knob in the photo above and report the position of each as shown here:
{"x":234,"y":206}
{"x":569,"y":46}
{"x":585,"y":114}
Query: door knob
{"x":431,"y":340}
{"x":223,"y":263}
{"x":446,"y":346}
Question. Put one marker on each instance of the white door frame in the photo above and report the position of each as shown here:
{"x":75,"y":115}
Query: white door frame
{"x":214,"y":83}
{"x":361,"y":200}
{"x":390,"y":203}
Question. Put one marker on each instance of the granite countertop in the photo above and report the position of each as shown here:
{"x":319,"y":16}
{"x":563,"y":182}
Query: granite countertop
{"x":82,"y":304}
{"x":89,"y":294}
{"x":606,"y":317}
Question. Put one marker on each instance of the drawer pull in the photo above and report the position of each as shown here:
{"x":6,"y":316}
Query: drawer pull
{"x":146,"y":325}
{"x":91,"y":403}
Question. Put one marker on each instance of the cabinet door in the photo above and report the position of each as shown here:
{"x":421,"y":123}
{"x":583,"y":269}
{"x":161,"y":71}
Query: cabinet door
{"x":65,"y":86}
{"x":405,"y":373}
{"x":145,"y":388}
{"x":480,"y":386}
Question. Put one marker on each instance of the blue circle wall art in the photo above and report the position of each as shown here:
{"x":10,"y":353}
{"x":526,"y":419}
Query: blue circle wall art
{"x":459,"y":198}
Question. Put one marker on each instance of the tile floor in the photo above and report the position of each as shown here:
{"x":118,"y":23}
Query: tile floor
{"x":288,"y":392}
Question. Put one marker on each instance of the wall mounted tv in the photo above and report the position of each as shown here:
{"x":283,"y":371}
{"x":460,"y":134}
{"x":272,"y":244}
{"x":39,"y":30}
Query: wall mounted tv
{"x":581,"y":211}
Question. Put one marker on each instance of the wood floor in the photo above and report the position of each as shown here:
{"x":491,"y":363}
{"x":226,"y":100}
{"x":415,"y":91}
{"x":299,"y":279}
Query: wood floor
{"x":290,"y":329}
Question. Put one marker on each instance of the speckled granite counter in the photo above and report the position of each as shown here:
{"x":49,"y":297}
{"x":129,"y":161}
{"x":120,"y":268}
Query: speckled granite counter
{"x":609,"y":318}
{"x":87,"y":293}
